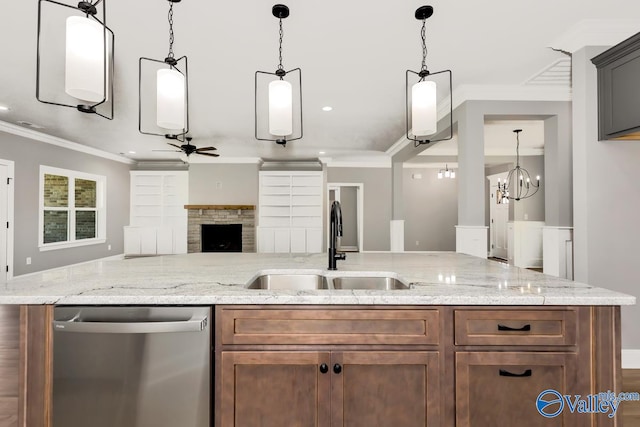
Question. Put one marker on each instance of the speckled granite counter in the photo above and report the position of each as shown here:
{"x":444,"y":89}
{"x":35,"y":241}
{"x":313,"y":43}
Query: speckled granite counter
{"x":438,"y":278}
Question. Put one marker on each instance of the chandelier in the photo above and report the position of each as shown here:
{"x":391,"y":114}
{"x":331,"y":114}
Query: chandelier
{"x":446,"y":173}
{"x":518,"y":185}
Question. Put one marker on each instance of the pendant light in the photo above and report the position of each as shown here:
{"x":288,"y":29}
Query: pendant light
{"x":446,"y":173}
{"x":278,"y":97}
{"x":518,"y":184}
{"x":426,"y":93}
{"x":86,"y":61}
{"x":163,"y":92}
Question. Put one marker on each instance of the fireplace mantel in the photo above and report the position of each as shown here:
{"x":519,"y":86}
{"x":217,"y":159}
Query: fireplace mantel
{"x":222,"y":207}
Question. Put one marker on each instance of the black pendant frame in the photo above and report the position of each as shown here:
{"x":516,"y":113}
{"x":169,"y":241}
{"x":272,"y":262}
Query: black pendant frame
{"x":422,"y":76}
{"x":103,"y":108}
{"x":179,"y":64}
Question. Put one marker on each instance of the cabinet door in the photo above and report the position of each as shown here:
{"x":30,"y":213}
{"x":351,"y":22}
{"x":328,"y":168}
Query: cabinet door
{"x":501,"y":389}
{"x":266,"y":242}
{"x":274,"y":389}
{"x":385,"y":389}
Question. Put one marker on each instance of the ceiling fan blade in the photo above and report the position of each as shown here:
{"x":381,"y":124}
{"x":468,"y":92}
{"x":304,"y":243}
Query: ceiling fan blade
{"x":206,"y":148}
{"x":208,"y":154}
{"x":174,"y":145}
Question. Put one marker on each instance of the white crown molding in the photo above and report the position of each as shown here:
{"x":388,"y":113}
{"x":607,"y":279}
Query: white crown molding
{"x":509,"y":93}
{"x":398,"y":146}
{"x":222,"y":159}
{"x":382,"y":163}
{"x":438,"y":165}
{"x":596,"y":32}
{"x":59,"y":142}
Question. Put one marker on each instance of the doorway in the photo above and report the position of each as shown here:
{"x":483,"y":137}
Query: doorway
{"x":6,"y":217}
{"x":498,"y":218}
{"x":350,"y":196}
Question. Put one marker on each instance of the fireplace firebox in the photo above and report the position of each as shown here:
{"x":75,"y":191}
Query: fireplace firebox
{"x":221,"y":237}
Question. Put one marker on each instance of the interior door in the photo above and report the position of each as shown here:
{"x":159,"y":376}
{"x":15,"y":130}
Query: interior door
{"x":4,"y":213}
{"x":499,"y":218}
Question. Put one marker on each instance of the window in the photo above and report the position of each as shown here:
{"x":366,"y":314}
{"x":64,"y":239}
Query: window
{"x":72,"y":209}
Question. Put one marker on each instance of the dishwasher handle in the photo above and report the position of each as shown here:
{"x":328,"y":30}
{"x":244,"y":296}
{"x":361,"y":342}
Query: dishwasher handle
{"x":195,"y":324}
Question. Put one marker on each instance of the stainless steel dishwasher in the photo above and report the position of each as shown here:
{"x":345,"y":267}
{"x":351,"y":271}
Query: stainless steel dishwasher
{"x":131,"y":367}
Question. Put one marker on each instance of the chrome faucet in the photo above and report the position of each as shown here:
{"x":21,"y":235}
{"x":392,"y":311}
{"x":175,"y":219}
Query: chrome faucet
{"x":336,"y":230}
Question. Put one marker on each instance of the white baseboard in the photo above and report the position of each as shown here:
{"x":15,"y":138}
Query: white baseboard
{"x":630,"y":359}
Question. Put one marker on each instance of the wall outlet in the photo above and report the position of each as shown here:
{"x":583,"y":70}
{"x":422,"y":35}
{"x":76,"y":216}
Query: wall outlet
{"x":108,"y":247}
{"x":526,"y":217}
{"x":28,"y":260}
{"x":417,"y":243}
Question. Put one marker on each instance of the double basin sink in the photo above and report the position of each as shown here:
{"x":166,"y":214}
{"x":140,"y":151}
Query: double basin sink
{"x":334,"y":280}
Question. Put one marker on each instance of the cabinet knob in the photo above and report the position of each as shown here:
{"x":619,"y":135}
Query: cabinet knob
{"x":324,"y":368}
{"x":337,"y":368}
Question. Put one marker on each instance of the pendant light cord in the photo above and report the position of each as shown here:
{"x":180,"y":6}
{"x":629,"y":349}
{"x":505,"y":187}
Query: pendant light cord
{"x":518,"y":149}
{"x":423,"y":34}
{"x":281,"y":33}
{"x":171,"y":37}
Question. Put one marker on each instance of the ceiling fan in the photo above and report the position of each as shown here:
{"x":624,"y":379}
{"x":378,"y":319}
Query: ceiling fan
{"x":189,"y":148}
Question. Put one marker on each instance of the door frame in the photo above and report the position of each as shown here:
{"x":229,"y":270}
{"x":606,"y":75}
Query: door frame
{"x":359,"y":205}
{"x":10,"y":215}
{"x":492,"y":205}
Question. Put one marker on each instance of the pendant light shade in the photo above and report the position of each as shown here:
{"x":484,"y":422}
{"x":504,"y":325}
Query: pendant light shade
{"x":163,"y":92}
{"x":280,"y":108}
{"x":428,"y":94}
{"x":73,"y":41}
{"x":84,"y":59}
{"x":170,"y":99}
{"x":424,"y":112}
{"x":278,"y":97}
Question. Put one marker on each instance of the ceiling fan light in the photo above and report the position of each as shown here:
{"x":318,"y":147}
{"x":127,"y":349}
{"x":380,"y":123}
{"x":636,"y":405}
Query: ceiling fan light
{"x":85,"y":59}
{"x":280,"y":108}
{"x":170,"y":101}
{"x":424,"y":114}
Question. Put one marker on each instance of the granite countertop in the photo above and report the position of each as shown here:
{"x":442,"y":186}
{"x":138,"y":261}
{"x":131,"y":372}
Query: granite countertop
{"x":437,"y":278}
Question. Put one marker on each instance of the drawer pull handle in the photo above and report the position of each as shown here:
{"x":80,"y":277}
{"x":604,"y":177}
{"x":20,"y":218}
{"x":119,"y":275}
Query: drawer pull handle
{"x":525,"y":328}
{"x":526,"y":373}
{"x":337,"y":368}
{"x":324,"y":368}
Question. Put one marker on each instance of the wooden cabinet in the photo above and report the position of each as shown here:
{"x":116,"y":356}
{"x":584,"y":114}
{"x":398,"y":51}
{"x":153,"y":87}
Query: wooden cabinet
{"x":352,"y":366}
{"x":506,"y":357}
{"x":619,"y":90}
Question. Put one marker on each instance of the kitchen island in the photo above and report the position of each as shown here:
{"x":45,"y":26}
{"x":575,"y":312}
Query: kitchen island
{"x":470,"y":343}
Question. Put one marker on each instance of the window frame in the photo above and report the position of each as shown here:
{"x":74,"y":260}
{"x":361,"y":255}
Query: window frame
{"x":100,"y":209}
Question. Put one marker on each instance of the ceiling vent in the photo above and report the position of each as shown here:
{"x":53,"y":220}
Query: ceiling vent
{"x":556,"y":74}
{"x":27,"y":124}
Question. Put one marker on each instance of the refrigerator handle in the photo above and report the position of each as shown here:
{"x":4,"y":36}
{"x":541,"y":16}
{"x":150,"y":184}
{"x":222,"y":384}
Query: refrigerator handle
{"x":195,"y":324}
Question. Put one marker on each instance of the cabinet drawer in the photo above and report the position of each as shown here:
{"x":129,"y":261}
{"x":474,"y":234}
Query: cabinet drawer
{"x":521,"y":327}
{"x":270,"y":326}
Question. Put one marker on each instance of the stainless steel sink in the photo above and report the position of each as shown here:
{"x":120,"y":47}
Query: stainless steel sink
{"x":289,"y":282}
{"x":381,"y":283}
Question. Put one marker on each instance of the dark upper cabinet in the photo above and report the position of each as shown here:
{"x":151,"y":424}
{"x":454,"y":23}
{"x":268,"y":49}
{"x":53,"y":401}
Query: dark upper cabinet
{"x":619,"y":90}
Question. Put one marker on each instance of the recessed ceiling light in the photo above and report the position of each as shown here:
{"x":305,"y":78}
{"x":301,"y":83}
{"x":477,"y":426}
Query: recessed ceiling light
{"x":132,"y":152}
{"x":322,"y":152}
{"x":327,"y":108}
{"x":4,"y":108}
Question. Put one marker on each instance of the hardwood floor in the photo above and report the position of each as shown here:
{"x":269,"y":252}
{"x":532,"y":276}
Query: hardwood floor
{"x":631,"y":410}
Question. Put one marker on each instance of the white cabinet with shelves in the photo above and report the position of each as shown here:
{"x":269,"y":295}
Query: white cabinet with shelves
{"x":290,"y":212}
{"x":158,"y":219}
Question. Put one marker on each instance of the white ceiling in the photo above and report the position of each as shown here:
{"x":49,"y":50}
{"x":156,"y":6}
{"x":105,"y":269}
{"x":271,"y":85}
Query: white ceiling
{"x":353,"y":57}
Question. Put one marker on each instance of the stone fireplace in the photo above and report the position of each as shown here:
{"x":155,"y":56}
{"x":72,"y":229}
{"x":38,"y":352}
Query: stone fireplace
{"x":199,"y":215}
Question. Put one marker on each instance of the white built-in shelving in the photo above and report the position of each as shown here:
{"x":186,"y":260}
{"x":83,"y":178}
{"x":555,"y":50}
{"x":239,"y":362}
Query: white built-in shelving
{"x":290,"y":211}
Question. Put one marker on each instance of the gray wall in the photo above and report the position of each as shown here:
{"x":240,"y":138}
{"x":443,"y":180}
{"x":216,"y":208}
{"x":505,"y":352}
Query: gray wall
{"x":606,"y":200}
{"x":430,"y":211}
{"x":28,"y":155}
{"x":349,"y":205}
{"x":377,"y":202}
{"x":239,"y":184}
